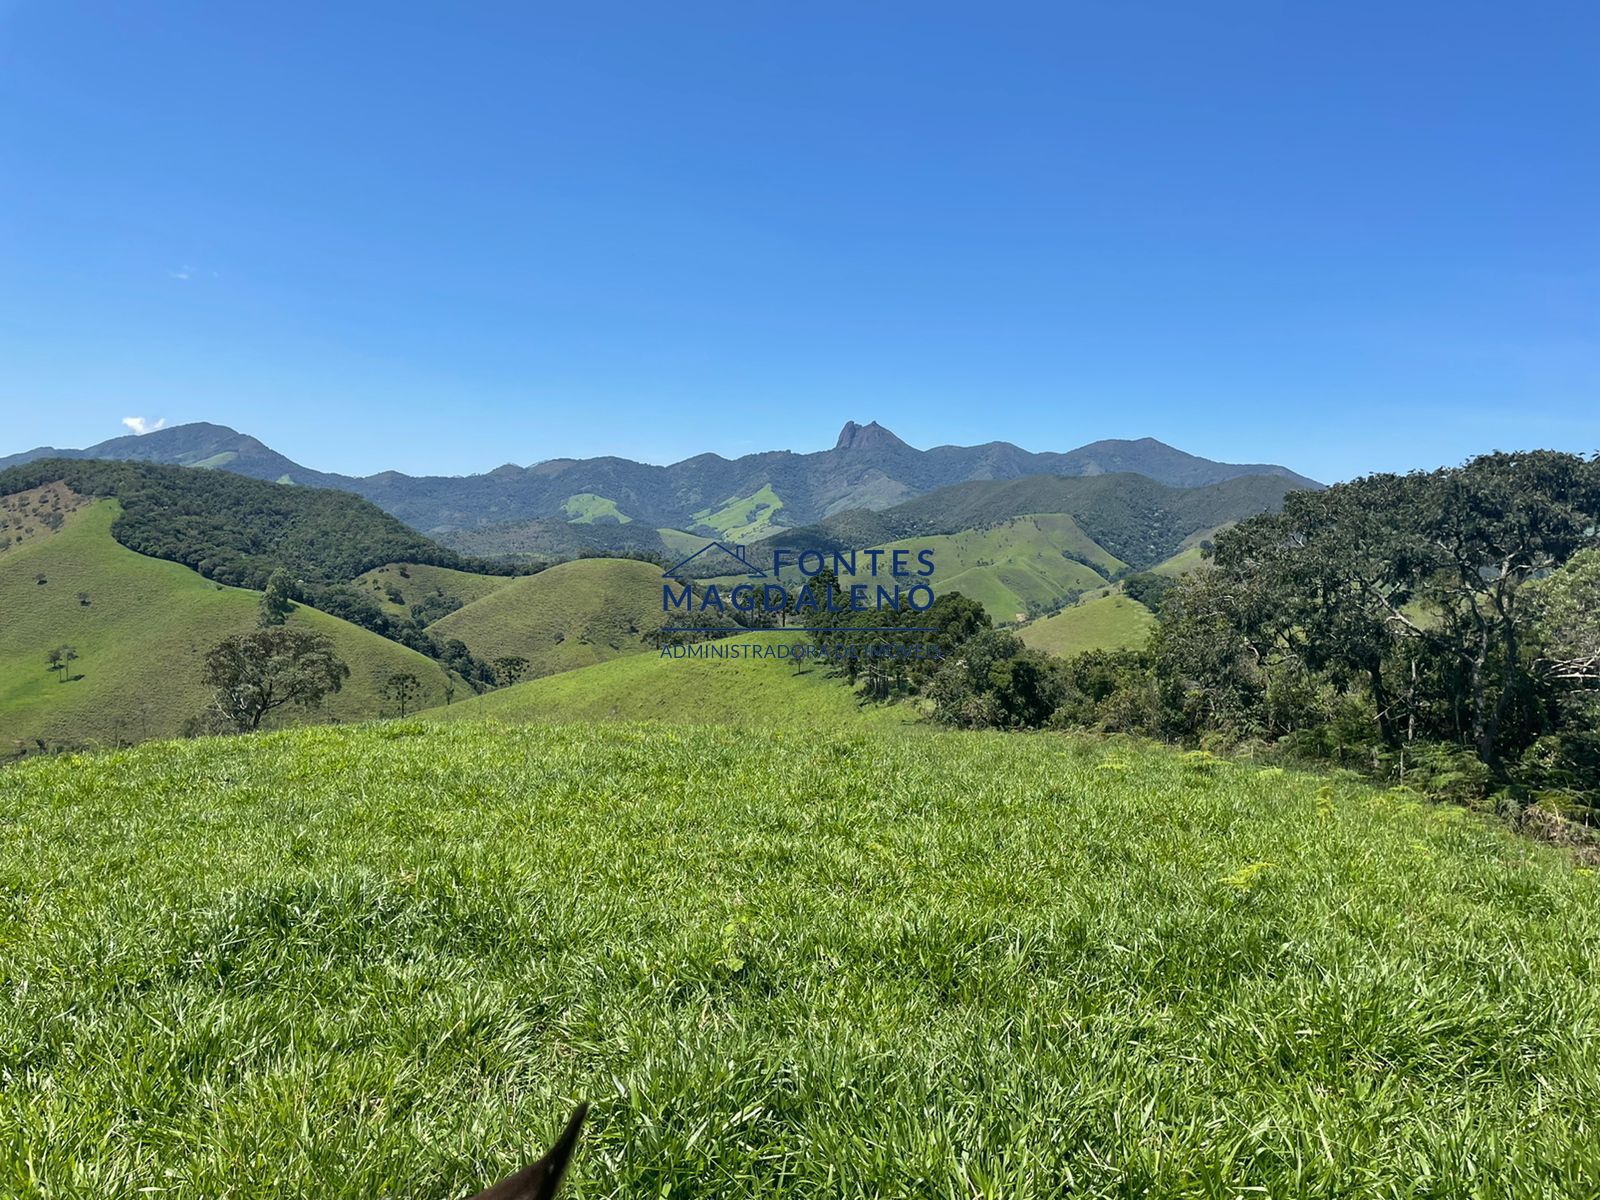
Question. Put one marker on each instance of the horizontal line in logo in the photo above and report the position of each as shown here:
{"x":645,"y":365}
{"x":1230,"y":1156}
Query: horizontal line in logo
{"x":818,"y":629}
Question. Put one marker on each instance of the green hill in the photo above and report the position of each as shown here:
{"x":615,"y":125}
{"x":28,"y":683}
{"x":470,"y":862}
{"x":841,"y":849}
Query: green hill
{"x":679,"y":545}
{"x":586,"y":508}
{"x":1018,"y":566}
{"x":1191,"y":556}
{"x":743,"y":518}
{"x":416,"y":583}
{"x":386,"y":961}
{"x":765,"y":690}
{"x":141,"y":627}
{"x":569,"y":616}
{"x":1111,"y":622}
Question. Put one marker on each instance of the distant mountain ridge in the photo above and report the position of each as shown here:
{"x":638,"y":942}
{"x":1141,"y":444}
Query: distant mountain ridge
{"x":867,"y":468}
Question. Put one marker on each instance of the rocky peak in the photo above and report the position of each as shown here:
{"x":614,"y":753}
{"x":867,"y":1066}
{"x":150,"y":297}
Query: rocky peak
{"x":870,"y":436}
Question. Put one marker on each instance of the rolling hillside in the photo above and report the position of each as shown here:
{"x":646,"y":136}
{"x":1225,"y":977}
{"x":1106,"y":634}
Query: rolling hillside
{"x":1018,"y":566}
{"x":573,"y":615}
{"x":415,"y":583}
{"x":141,"y":627}
{"x":692,"y":691}
{"x":385,"y":961}
{"x":1109,"y":622}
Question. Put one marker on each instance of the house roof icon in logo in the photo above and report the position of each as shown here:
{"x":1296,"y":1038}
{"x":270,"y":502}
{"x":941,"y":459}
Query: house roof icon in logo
{"x":734,"y":550}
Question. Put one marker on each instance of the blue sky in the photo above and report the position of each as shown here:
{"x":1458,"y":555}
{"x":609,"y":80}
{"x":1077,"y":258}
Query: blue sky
{"x":441,"y":237}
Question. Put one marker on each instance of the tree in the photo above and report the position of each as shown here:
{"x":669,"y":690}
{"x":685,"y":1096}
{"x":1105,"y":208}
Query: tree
{"x":254,"y":674}
{"x":1566,"y":609}
{"x":69,"y":655}
{"x":402,"y":687}
{"x":1489,"y":528}
{"x":509,"y":669}
{"x":1413,"y":586}
{"x":1211,"y":655}
{"x":1565,"y":606}
{"x":53,"y":658}
{"x":997,"y":682}
{"x":277,"y":600}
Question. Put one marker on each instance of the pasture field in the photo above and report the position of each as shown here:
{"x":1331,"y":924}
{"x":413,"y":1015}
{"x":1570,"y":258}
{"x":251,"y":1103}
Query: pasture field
{"x":1109,"y":622}
{"x":694,"y":691}
{"x":679,"y":544}
{"x":385,"y":960}
{"x":1191,"y":557}
{"x":142,"y":627}
{"x":1007,"y":567}
{"x":586,"y":508}
{"x":416,"y":581}
{"x":743,"y":518}
{"x":573,"y":615}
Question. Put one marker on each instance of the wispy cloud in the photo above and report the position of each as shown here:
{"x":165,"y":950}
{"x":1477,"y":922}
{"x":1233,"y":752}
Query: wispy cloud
{"x":141,"y":427}
{"x":181,"y":273}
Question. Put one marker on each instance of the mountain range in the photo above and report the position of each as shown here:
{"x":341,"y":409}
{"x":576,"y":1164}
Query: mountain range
{"x":590,"y":502}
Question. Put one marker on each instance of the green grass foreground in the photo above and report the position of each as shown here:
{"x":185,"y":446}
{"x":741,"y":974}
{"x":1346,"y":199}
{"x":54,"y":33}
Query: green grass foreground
{"x":385,"y":960}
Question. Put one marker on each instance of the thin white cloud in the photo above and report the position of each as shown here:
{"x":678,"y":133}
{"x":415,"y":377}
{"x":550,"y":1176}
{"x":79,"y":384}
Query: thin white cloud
{"x":141,"y":427}
{"x":180,"y":273}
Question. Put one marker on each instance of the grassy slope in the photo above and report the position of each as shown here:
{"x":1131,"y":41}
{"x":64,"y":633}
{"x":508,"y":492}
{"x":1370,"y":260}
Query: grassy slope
{"x":1007,"y":566}
{"x":681,"y":545}
{"x":586,"y":508}
{"x":385,"y":961}
{"x":572,"y":615}
{"x":1190,"y":557}
{"x":142,"y":640}
{"x":744,"y":518}
{"x":421,"y":580}
{"x":1112,"y":622}
{"x":752,"y":691}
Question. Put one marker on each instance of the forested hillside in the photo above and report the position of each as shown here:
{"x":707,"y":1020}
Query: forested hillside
{"x":238,"y":530}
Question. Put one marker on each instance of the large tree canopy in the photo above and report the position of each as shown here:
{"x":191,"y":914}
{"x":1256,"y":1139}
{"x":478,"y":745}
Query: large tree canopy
{"x":1413,"y":587}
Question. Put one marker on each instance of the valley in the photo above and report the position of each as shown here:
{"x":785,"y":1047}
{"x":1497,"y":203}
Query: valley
{"x":188,"y":549}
